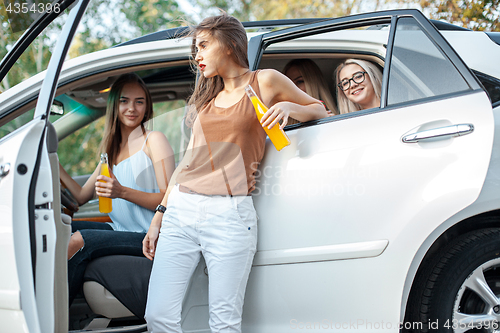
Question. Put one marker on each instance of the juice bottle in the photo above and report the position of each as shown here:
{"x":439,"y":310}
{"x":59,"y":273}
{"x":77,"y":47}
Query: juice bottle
{"x":276,"y":135}
{"x":105,"y":205}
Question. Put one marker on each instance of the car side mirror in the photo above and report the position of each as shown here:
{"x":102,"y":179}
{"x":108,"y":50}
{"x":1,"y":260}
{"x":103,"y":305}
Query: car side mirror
{"x":57,"y":108}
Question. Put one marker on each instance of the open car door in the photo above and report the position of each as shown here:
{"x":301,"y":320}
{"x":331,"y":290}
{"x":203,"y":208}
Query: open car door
{"x":30,"y":204}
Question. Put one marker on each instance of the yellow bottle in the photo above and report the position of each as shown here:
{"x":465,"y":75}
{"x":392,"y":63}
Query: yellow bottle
{"x":105,"y":205}
{"x":276,"y":135}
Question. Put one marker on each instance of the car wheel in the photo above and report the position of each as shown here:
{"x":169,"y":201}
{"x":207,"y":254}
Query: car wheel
{"x":460,"y":290}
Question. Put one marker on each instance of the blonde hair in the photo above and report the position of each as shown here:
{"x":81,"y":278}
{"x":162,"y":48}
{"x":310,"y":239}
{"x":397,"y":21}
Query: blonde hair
{"x":344,"y":104}
{"x":231,"y":35}
{"x":314,"y":80}
{"x":112,"y":138}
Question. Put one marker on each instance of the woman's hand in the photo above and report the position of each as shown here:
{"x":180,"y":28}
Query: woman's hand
{"x":151,"y":239}
{"x":279,"y":111}
{"x":286,"y":99}
{"x":110,"y":188}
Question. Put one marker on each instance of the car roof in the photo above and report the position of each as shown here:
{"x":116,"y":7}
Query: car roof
{"x":261,"y":26}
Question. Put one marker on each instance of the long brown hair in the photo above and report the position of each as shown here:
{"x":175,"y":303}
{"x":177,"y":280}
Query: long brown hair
{"x":112,"y":131}
{"x":345,"y":105}
{"x":314,"y":80}
{"x":231,"y":35}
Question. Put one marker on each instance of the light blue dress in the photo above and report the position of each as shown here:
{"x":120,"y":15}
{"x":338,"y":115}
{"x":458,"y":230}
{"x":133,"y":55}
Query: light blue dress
{"x":135,"y":172}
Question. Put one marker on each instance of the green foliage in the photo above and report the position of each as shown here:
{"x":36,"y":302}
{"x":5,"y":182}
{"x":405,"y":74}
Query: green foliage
{"x":246,"y":10}
{"x":34,"y":59}
{"x":480,"y":15}
{"x":148,"y":16}
{"x":241,"y":9}
{"x":284,"y":9}
{"x":78,"y":152}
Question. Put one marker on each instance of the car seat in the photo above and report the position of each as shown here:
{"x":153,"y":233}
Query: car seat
{"x":117,"y":286}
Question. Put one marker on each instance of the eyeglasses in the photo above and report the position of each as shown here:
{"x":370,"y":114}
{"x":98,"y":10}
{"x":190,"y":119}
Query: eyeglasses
{"x":357,"y":77}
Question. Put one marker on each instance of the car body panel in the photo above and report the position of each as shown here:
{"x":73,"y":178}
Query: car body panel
{"x":355,"y":214}
{"x":395,"y":200}
{"x":18,"y":285}
{"x":30,"y":213}
{"x":476,"y":49}
{"x":487,"y":201}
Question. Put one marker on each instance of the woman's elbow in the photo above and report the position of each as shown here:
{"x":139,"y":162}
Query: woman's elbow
{"x":319,"y":112}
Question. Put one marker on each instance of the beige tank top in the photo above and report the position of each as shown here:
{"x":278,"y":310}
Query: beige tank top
{"x":228,"y":146}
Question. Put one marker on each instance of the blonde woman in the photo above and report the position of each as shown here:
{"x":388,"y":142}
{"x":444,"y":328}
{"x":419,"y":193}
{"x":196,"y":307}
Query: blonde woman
{"x":359,"y":85}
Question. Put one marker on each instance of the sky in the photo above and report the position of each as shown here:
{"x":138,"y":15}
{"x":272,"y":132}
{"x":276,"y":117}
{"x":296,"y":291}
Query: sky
{"x":188,"y":8}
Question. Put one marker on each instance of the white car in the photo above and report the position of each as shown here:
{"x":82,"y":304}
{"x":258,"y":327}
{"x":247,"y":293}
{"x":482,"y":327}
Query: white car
{"x":381,"y":220}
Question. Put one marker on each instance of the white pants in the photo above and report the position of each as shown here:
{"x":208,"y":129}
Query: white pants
{"x":224,"y":230}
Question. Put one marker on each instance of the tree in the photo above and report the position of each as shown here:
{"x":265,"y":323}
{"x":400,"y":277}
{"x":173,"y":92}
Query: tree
{"x":472,"y":14}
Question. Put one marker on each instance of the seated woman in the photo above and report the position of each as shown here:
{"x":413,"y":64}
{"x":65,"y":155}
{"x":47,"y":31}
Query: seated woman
{"x":359,"y":85}
{"x":141,"y":162}
{"x":308,"y":77}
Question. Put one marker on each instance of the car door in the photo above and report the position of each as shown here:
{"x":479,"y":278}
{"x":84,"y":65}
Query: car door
{"x":29,"y":206}
{"x":369,"y":185}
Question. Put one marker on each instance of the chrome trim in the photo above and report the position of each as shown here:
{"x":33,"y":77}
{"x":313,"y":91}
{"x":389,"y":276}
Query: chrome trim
{"x":4,"y":170}
{"x":321,"y":253}
{"x":441,"y":132}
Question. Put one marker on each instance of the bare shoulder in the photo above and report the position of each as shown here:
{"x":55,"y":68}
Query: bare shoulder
{"x":156,"y":135}
{"x":274,"y":86}
{"x":268,"y":76}
{"x":158,"y":140}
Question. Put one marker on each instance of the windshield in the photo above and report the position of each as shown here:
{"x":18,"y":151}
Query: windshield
{"x":33,"y":60}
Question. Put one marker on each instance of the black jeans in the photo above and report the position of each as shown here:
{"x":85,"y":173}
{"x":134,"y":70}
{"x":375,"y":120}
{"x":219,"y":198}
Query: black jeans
{"x":99,"y":240}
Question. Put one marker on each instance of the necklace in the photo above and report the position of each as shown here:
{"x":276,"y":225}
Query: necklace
{"x":232,"y":78}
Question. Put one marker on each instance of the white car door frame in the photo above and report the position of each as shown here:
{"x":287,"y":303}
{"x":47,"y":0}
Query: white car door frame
{"x":29,"y":236}
{"x":348,"y":187}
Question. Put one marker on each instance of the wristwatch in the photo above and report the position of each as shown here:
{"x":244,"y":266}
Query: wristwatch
{"x":160,"y":208}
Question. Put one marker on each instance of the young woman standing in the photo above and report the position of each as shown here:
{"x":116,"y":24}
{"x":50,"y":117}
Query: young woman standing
{"x":209,"y":211}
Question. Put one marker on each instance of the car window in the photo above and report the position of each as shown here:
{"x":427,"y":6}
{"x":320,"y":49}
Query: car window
{"x":34,"y":60}
{"x":328,"y":50}
{"x":168,"y":119}
{"x":418,"y":67}
{"x":78,"y":152}
{"x":21,"y":120}
{"x":491,"y":85}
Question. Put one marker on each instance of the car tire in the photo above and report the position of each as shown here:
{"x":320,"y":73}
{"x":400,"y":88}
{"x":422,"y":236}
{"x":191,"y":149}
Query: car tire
{"x":459,"y":289}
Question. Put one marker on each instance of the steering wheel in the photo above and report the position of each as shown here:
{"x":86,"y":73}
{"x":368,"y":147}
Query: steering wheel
{"x":68,"y":201}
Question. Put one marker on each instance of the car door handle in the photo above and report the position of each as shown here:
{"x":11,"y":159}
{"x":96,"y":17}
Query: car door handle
{"x":441,"y":132}
{"x":4,"y":170}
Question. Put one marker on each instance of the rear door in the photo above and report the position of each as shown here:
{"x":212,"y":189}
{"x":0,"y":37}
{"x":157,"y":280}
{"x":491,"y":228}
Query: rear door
{"x":368,"y":184}
{"x":27,"y":206}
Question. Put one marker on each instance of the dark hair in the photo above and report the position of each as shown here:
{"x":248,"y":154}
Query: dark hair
{"x":112,"y":132}
{"x":231,"y":35}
